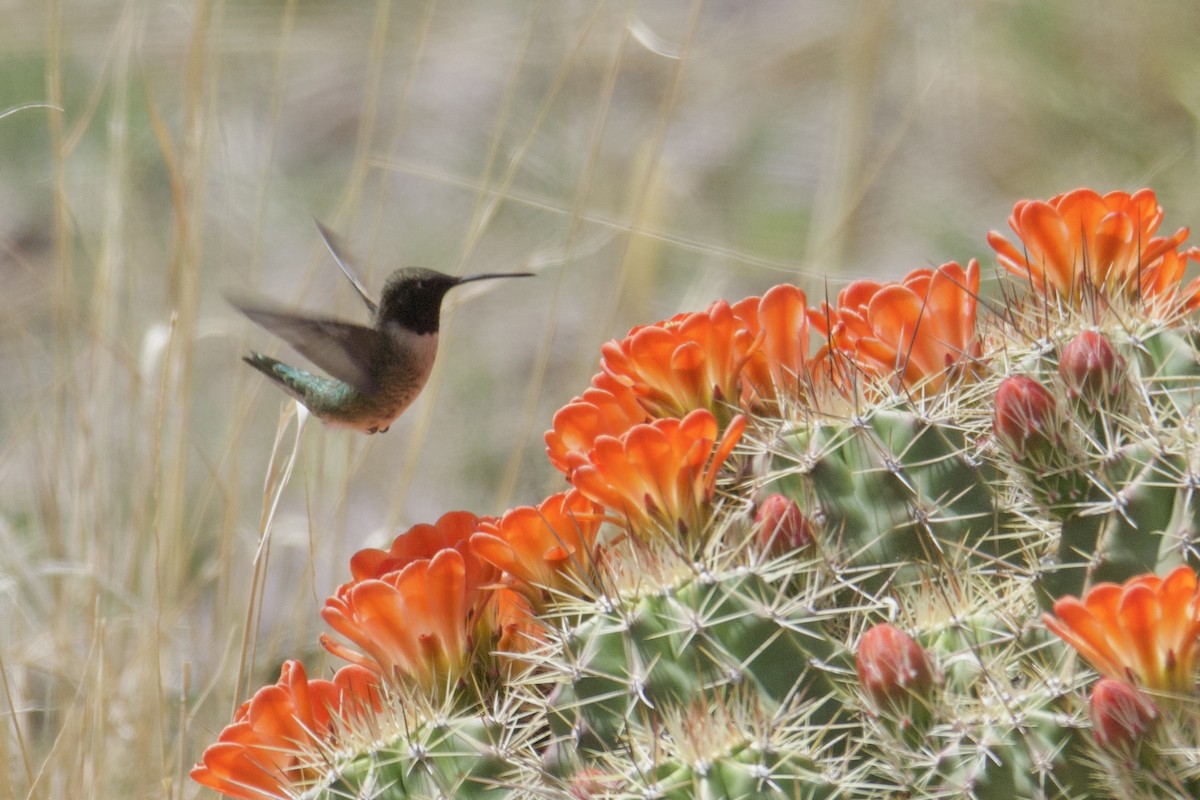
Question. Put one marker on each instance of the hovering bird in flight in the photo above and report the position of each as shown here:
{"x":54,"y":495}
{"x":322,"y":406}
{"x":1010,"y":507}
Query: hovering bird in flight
{"x":375,"y":372}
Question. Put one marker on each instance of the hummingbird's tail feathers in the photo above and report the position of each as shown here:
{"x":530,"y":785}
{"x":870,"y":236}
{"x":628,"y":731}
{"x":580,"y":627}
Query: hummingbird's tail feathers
{"x":346,"y":351}
{"x":278,"y":372}
{"x":337,"y":251}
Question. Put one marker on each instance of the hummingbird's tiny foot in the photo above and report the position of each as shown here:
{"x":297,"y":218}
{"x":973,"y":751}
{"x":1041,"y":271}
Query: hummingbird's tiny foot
{"x":372,"y":430}
{"x":385,"y":430}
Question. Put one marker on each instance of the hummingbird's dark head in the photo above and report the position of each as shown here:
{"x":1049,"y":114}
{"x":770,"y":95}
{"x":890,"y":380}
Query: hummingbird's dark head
{"x":412,"y":297}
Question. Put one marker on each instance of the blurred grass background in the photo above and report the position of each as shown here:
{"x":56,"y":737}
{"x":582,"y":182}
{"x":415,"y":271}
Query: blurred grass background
{"x":643,"y":158}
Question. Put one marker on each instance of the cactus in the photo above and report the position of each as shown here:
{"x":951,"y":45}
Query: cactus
{"x":683,"y":633}
{"x":846,"y":551}
{"x":890,"y":489}
{"x":443,"y":756}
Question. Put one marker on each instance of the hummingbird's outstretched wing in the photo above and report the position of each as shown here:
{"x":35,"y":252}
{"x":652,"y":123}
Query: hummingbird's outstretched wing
{"x":334,"y":244}
{"x":346,"y":351}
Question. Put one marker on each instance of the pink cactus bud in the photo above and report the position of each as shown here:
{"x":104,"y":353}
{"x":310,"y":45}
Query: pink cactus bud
{"x":895,"y":672}
{"x":780,"y":526}
{"x":1026,"y":419}
{"x":1121,"y":715}
{"x":1088,"y":366}
{"x":588,"y":783}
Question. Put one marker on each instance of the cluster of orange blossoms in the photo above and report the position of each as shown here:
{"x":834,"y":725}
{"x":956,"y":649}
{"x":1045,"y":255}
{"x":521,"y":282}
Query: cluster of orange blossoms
{"x":1082,"y":242}
{"x":918,"y":329}
{"x":643,"y":448}
{"x":272,"y":740}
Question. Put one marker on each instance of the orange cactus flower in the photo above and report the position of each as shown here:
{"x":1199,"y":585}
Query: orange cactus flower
{"x":915,"y":329}
{"x":422,"y":542}
{"x":687,"y":362}
{"x":543,"y":548}
{"x":1160,"y":283}
{"x":413,"y":626}
{"x":598,"y":412}
{"x":778,"y":365}
{"x":452,"y":530}
{"x":664,"y":471}
{"x":517,"y":627}
{"x":753,"y":352}
{"x":1103,"y":241}
{"x":267,"y":750}
{"x":1145,"y":632}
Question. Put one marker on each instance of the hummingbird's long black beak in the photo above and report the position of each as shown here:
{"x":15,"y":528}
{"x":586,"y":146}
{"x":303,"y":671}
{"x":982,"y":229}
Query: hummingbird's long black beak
{"x":489,"y":275}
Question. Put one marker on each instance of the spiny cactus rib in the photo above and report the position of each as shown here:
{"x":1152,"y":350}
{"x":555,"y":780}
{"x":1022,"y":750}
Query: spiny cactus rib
{"x":455,"y":758}
{"x":664,"y":649}
{"x":890,"y":490}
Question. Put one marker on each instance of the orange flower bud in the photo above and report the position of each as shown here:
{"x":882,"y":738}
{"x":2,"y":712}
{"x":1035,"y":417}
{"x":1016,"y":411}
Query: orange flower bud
{"x":780,"y":525}
{"x":1026,"y":419}
{"x":895,"y":673}
{"x":1089,"y":367}
{"x":1121,"y":715}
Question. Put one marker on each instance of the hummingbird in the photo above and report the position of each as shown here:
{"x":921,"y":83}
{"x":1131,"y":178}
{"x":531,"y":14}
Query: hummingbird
{"x":375,"y":372}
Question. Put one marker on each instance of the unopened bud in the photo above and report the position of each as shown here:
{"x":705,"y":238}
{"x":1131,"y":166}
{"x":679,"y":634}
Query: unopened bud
{"x":780,"y":526}
{"x":895,"y":674}
{"x":589,"y":783}
{"x":1026,"y":421}
{"x":1122,"y":715}
{"x":1089,"y":367}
